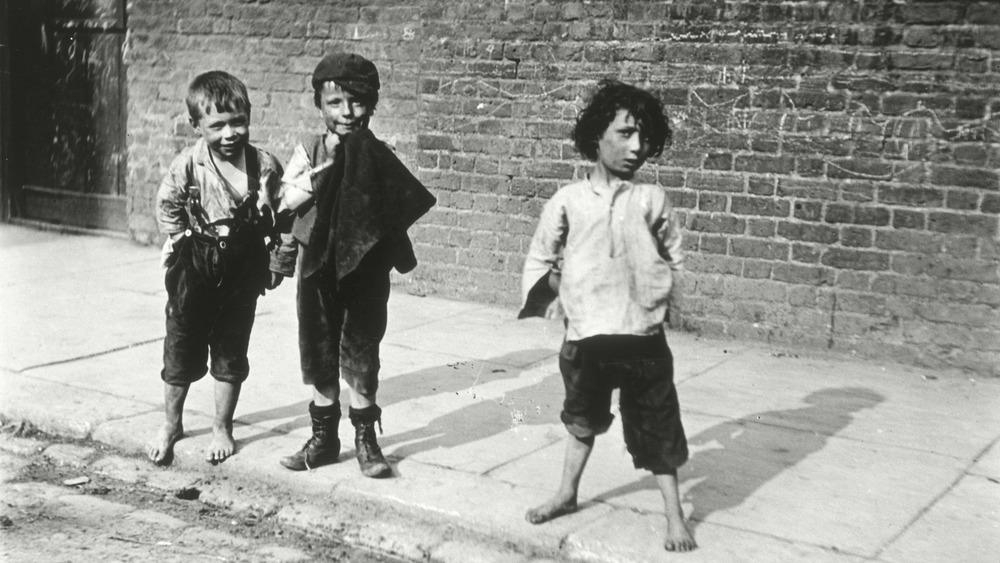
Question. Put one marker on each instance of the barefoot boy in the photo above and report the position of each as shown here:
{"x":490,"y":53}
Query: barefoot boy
{"x":619,"y":243}
{"x":353,"y":201}
{"x":216,"y":205}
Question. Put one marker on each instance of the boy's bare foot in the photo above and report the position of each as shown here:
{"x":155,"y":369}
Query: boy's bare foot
{"x":557,"y":506}
{"x":223,"y":445}
{"x":679,"y":538}
{"x":160,"y":450}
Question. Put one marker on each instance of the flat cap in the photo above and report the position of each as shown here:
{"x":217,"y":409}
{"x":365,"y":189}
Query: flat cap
{"x":351,"y":71}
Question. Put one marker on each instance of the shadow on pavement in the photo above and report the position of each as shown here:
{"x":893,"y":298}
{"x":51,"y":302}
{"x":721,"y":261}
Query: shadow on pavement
{"x":481,"y":419}
{"x":735,"y":458}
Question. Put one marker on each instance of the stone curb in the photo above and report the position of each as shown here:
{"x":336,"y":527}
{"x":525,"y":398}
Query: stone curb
{"x":359,"y":520}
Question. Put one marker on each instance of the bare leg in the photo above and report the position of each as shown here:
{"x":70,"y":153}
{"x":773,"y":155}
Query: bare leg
{"x":564,"y":502}
{"x":679,"y":538}
{"x":326,"y":395}
{"x":359,"y":401}
{"x":223,"y":445}
{"x":160,"y":450}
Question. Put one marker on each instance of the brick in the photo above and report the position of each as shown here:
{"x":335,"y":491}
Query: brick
{"x":755,"y":289}
{"x":808,"y":210}
{"x":761,"y":186}
{"x":716,"y":223}
{"x":718,"y":161}
{"x":801,"y":296}
{"x":751,"y":248}
{"x":742,"y":205}
{"x":856,"y":281}
{"x":962,"y":200}
{"x":946,"y":267}
{"x":970,"y":108}
{"x":860,"y":168}
{"x":712,"y":202}
{"x":808,"y":232}
{"x":807,"y":189}
{"x":765,"y":228}
{"x":713,"y":244}
{"x":857,"y":237}
{"x":913,"y":197}
{"x":805,"y":275}
{"x":839,"y":213}
{"x":855,"y":259}
{"x":906,"y":219}
{"x":714,"y":264}
{"x":991,"y":204}
{"x":806,"y":253}
{"x":683,"y":199}
{"x":558,"y":170}
{"x":965,"y":177}
{"x":763,"y":164}
{"x":963,"y":223}
{"x":978,"y":316}
{"x":922,"y":37}
{"x":932,"y":13}
{"x":434,"y":142}
{"x":920,"y":61}
{"x":754,"y":269}
{"x":876,"y":216}
{"x":715,"y":182}
{"x":976,"y":155}
{"x":983,"y":13}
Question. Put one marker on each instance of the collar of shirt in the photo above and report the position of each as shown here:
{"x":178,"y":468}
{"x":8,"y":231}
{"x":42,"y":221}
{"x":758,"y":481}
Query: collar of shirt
{"x":612,"y":188}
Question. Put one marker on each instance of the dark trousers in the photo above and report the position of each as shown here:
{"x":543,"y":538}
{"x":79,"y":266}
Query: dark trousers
{"x":212,"y":290}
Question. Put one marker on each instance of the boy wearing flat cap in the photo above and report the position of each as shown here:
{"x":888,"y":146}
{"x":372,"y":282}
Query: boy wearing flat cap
{"x":351,"y":201}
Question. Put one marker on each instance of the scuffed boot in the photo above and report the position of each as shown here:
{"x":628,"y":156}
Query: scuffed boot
{"x":370,"y":458}
{"x":323,"y":447}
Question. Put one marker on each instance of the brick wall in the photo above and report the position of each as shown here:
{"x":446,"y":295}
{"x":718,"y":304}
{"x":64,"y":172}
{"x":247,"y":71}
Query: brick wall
{"x":836,"y":163}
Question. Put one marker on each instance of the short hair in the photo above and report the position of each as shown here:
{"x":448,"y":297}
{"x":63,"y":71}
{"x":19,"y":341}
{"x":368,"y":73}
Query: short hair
{"x":218,"y":89}
{"x":611,"y":96}
{"x":369,"y":100}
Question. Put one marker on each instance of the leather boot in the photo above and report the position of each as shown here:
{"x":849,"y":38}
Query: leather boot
{"x":323,"y":447}
{"x":370,"y":458}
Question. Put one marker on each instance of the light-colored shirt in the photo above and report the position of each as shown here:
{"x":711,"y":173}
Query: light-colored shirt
{"x":193,"y":184}
{"x":620,"y":246}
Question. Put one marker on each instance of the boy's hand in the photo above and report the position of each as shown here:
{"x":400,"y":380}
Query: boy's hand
{"x":275,"y":280}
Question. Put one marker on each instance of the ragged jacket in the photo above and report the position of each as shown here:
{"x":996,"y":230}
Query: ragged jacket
{"x":362,"y":197}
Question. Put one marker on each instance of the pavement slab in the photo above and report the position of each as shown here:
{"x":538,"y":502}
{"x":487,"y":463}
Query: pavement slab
{"x":795,"y":455}
{"x":963,"y":525}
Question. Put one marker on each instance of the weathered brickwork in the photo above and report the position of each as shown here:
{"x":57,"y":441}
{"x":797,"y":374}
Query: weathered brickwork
{"x":836,"y":163}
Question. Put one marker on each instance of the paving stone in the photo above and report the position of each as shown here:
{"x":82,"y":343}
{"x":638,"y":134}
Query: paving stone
{"x":970,"y":513}
{"x":20,"y":446}
{"x":470,"y":552}
{"x":279,"y":554}
{"x":70,"y":454}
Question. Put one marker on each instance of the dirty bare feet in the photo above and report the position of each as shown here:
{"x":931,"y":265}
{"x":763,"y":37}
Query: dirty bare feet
{"x":223,"y":445}
{"x":679,"y":538}
{"x":559,"y":505}
{"x":160,"y":450}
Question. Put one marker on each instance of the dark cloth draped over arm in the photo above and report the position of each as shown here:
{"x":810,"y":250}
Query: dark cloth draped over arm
{"x":366,"y":196}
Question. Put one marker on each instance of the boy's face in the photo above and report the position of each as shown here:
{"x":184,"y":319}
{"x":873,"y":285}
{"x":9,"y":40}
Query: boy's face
{"x":621,"y":149}
{"x":226,"y":133}
{"x":342,"y":112}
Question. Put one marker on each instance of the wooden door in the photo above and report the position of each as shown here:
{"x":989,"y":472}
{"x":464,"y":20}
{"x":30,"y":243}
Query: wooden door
{"x":67,"y":100}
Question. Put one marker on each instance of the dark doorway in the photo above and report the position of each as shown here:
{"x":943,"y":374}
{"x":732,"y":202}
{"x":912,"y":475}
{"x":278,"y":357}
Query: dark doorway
{"x":67,"y":112}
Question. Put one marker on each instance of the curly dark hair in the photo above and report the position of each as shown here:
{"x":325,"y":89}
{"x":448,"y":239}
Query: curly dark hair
{"x":611,"y":96}
{"x":219,"y":90}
